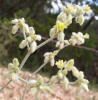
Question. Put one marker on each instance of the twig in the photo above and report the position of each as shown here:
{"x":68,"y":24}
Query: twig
{"x":82,"y":47}
{"x":25,"y":59}
{"x":87,"y":48}
{"x":5,"y":85}
{"x":30,"y":77}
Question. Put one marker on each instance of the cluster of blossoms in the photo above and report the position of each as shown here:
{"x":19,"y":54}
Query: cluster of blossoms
{"x":13,"y":70}
{"x":61,"y":77}
{"x":30,"y":37}
{"x":64,"y":19}
{"x":78,"y":38}
{"x":49,"y":57}
{"x":39,"y":86}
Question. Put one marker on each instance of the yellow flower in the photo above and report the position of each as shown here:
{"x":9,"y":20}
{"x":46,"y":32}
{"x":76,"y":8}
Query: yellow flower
{"x":60,"y":64}
{"x":86,"y":36}
{"x":87,"y":8}
{"x":59,"y":26}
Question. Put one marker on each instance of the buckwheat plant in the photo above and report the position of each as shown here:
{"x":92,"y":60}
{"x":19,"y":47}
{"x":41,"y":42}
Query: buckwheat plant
{"x":64,"y":19}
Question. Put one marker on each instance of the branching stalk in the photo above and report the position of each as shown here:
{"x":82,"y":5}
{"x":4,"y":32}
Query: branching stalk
{"x":5,"y":85}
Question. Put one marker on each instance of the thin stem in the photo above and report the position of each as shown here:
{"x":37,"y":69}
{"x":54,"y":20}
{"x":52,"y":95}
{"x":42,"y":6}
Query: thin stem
{"x":25,"y":59}
{"x":29,"y":79}
{"x":22,"y":98}
{"x":5,"y":85}
{"x":29,"y":52}
{"x":23,"y":80}
{"x":39,"y":68}
{"x":42,"y":44}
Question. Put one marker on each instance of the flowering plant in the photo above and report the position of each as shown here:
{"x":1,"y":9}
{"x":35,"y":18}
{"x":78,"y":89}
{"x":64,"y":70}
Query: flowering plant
{"x":64,"y":19}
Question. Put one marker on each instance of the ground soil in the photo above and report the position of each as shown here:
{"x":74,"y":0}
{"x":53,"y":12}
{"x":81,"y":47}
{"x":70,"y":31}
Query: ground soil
{"x":14,"y":91}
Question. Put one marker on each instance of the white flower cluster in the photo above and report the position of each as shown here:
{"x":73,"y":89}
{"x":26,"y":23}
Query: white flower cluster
{"x":64,"y":68}
{"x":49,"y":57}
{"x":30,"y":37}
{"x":78,"y":38}
{"x":13,"y":70}
{"x":20,"y":24}
{"x":39,"y":86}
{"x":65,"y":18}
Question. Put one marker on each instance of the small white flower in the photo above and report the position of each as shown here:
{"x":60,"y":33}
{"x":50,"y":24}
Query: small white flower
{"x":14,"y":21}
{"x":32,"y":82}
{"x":38,"y":37}
{"x":49,"y":57}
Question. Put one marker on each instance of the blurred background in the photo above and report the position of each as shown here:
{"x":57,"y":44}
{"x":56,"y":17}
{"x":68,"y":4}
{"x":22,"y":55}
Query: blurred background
{"x":42,"y":15}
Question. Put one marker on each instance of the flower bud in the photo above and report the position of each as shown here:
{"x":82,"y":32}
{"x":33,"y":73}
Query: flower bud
{"x":33,"y":46}
{"x":29,"y":39}
{"x":32,"y":31}
{"x":14,"y":21}
{"x":80,"y":19}
{"x":16,"y":62}
{"x":86,"y":36}
{"x":26,"y":28}
{"x":15,"y":29}
{"x":23,"y":44}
